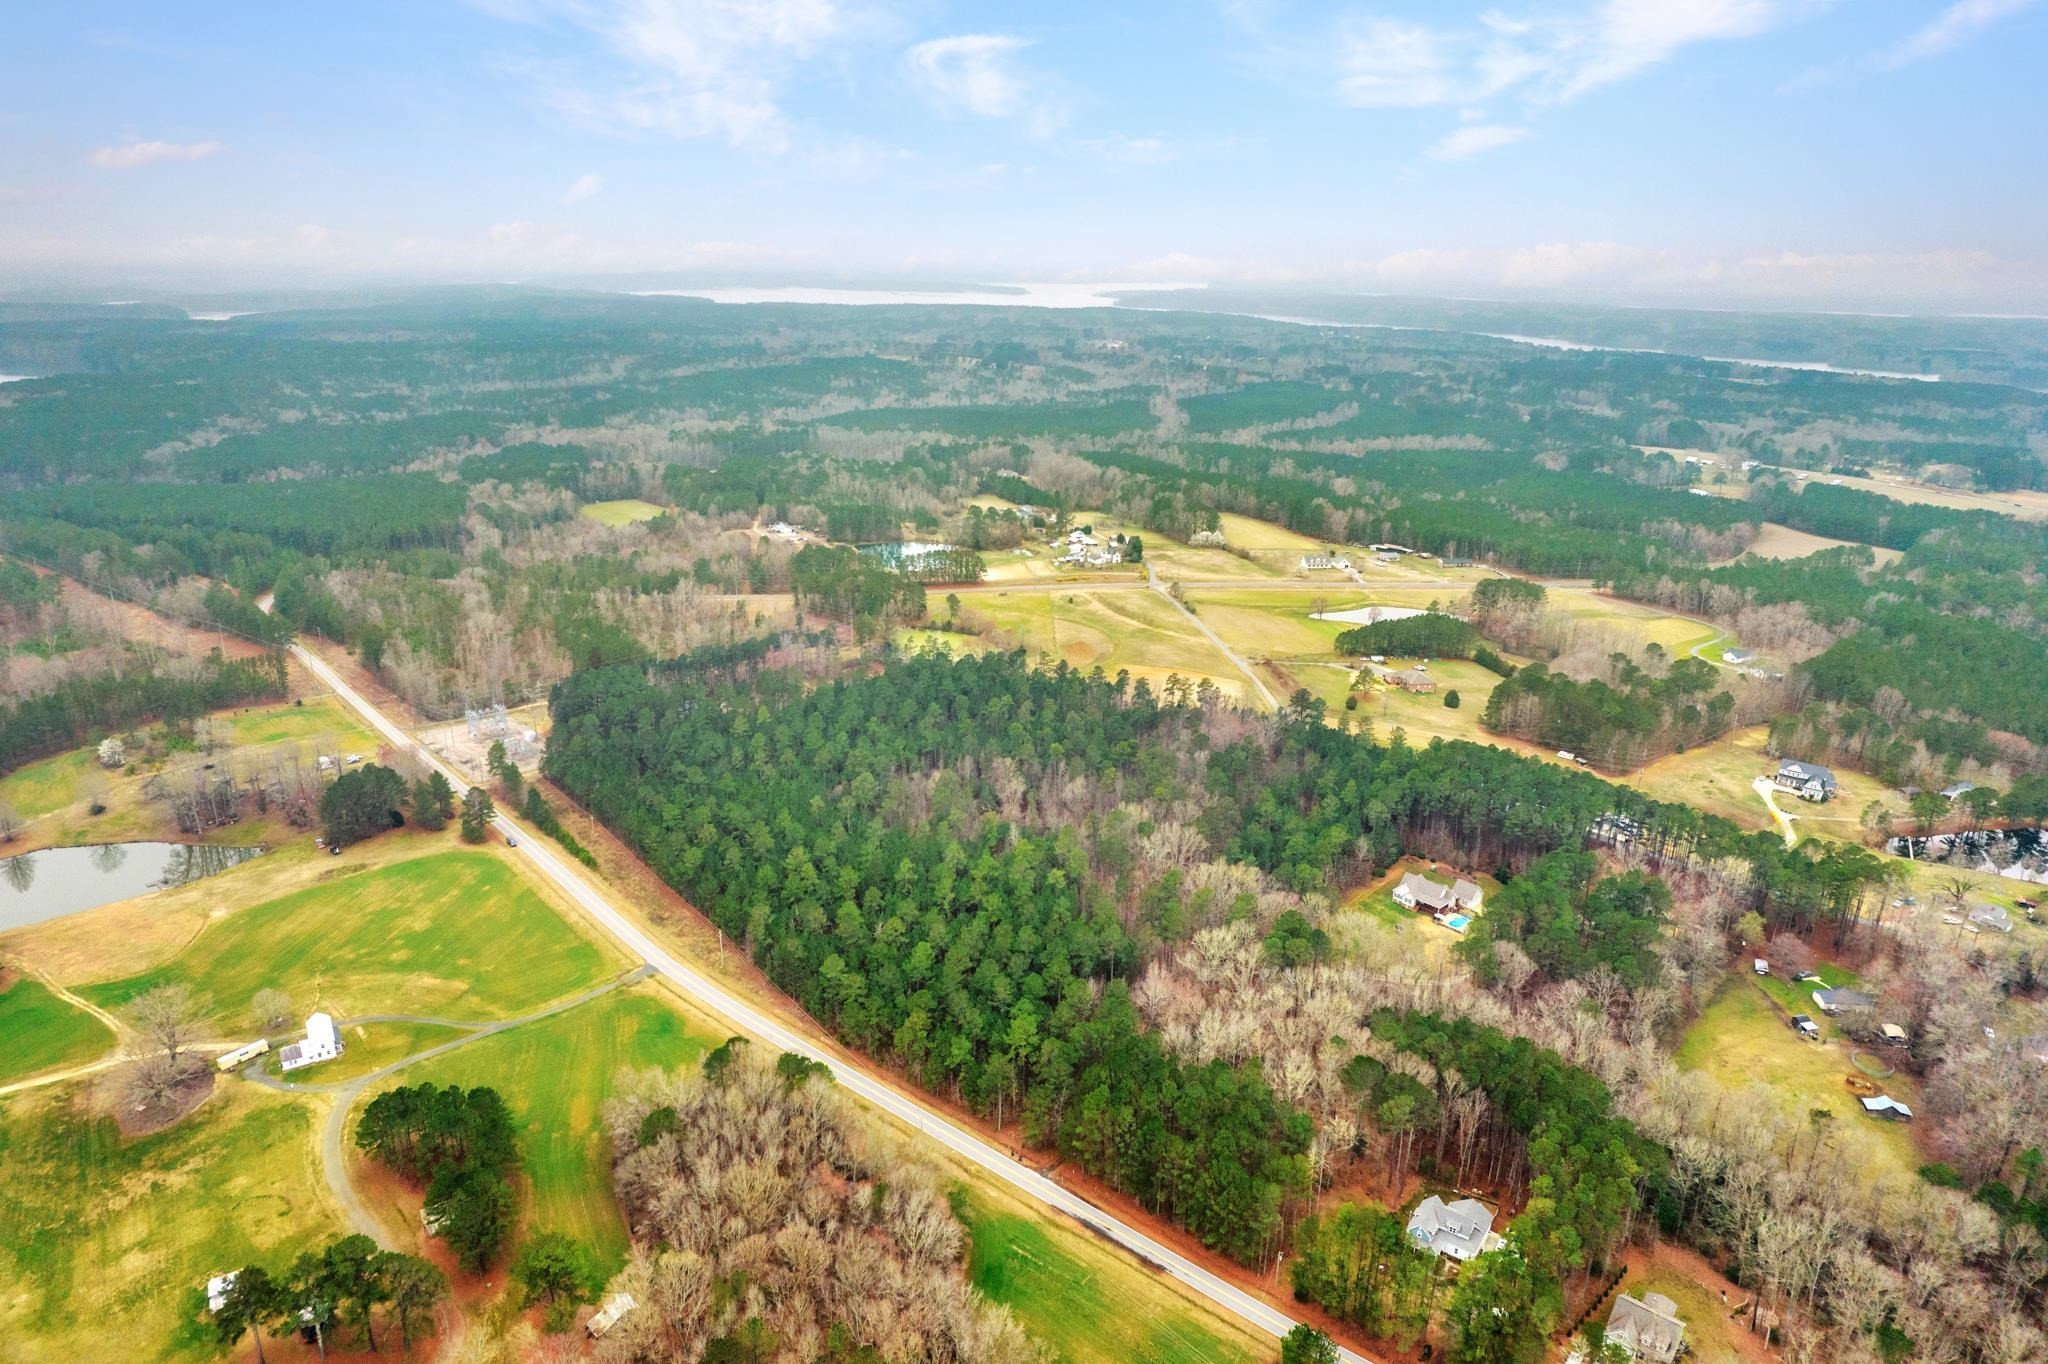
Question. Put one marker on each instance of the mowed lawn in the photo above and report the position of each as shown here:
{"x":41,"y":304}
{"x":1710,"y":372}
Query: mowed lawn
{"x":556,"y":1074}
{"x":1716,"y":778}
{"x":622,"y":512}
{"x":105,"y":1240}
{"x":320,"y":717}
{"x":452,"y":935}
{"x":39,"y":1031}
{"x":1740,"y":1040}
{"x":49,"y":785}
{"x":1089,"y":1304}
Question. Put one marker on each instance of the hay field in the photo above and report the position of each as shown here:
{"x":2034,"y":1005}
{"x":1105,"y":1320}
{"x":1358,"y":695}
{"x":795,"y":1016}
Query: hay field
{"x":623,"y":511}
{"x":1116,"y":630}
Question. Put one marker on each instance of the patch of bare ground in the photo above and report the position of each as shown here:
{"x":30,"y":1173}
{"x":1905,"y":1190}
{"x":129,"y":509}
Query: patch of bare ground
{"x":116,"y":1095}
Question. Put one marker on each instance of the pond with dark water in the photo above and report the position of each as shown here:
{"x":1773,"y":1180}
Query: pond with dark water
{"x":49,"y":884}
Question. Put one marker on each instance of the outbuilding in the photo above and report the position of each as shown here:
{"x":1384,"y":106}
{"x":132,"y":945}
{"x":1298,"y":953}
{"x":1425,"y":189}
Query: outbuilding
{"x":322,"y":1042}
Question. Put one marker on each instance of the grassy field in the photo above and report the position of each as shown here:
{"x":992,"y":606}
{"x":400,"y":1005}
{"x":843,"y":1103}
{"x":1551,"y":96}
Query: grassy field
{"x":1741,"y":1040}
{"x":323,"y":718}
{"x":1264,"y":623}
{"x":1783,"y":542}
{"x":1085,"y":1302}
{"x":43,"y":787}
{"x":42,"y":1032}
{"x":1116,"y":629}
{"x":556,"y":1074}
{"x":622,"y":512}
{"x":1425,"y":716}
{"x":1717,"y":778}
{"x":1246,"y":533}
{"x":105,"y":1240}
{"x":453,"y":934}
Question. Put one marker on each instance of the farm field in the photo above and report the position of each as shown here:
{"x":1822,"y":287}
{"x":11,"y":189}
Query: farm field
{"x":1740,"y":1040}
{"x":1783,"y":542}
{"x":451,"y":934}
{"x":1259,"y":622}
{"x":105,"y":1239}
{"x":1081,"y":1299}
{"x":1717,"y":777}
{"x":558,"y":1104}
{"x":43,"y":1032}
{"x":1116,"y":630}
{"x":622,"y":511}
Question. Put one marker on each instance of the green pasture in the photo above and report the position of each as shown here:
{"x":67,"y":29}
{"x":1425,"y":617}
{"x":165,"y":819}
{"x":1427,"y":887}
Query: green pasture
{"x":1740,"y":1039}
{"x":39,"y":1031}
{"x":1085,"y":1311}
{"x":556,"y":1074}
{"x":452,"y":935}
{"x":108,"y":1240}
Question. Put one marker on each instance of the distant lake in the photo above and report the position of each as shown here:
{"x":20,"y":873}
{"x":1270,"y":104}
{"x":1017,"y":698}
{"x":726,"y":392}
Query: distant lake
{"x":1370,"y":615}
{"x":49,"y":884}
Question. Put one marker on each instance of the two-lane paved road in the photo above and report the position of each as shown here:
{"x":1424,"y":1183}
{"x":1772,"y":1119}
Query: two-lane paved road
{"x":859,"y":1080}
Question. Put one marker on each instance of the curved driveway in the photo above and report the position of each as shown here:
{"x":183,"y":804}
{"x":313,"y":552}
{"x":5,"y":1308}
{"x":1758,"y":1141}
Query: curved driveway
{"x":861,"y":1081}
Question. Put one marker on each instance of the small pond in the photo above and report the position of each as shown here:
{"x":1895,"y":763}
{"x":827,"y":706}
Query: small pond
{"x":2020,"y":854}
{"x":895,"y":552}
{"x":54,"y":882}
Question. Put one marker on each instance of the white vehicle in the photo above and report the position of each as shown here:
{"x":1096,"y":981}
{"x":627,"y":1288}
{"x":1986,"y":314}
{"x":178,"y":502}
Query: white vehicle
{"x":242,"y":1055}
{"x":1763,"y":968}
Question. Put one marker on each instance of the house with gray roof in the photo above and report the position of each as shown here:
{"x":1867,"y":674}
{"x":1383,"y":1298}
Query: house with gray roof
{"x":1417,"y":891}
{"x":1808,"y":781}
{"x":1993,"y":917}
{"x":1460,"y":1230}
{"x":1835,"y":1000}
{"x":1647,"y":1327}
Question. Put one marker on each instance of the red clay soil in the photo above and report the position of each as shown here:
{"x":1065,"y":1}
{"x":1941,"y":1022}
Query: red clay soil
{"x":687,"y":924}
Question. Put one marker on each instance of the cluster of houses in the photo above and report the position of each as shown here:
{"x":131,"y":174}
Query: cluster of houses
{"x":1649,"y":1327}
{"x":1086,"y":551}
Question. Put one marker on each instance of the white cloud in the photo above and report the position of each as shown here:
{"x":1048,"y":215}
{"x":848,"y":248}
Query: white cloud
{"x":1958,"y":24}
{"x":585,"y":187}
{"x":977,"y":73}
{"x":132,"y":154}
{"x":696,"y":68}
{"x":1475,"y":138}
{"x":1552,"y":58}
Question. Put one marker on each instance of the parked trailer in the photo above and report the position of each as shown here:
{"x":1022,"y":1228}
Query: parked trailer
{"x":243,"y":1055}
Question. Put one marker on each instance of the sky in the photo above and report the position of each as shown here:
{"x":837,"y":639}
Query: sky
{"x":1805,"y":153}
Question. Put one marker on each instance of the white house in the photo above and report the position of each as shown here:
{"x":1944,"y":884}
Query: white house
{"x":217,"y":1289}
{"x":1315,"y":561}
{"x":1460,"y":1230}
{"x":321,"y":1043}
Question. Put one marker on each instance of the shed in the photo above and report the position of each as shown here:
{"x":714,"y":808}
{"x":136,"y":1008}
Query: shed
{"x":1893,"y":1034}
{"x":1885,"y":1106}
{"x":614,"y":1309}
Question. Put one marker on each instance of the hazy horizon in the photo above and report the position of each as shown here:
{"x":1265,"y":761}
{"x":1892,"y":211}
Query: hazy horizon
{"x":1744,"y":154}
